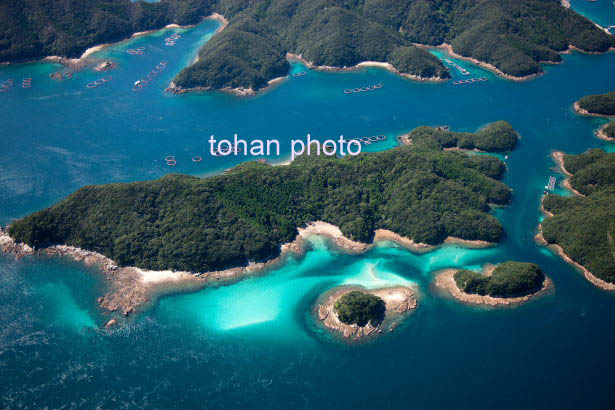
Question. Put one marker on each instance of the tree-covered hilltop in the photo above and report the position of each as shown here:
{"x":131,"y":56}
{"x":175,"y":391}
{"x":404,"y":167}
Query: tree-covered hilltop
{"x":512,"y":35}
{"x":585,"y":226}
{"x":495,"y":137}
{"x":602,"y":104}
{"x":33,"y":29}
{"x":327,"y":33}
{"x":186,"y":223}
{"x":509,"y":279}
{"x":359,"y":308}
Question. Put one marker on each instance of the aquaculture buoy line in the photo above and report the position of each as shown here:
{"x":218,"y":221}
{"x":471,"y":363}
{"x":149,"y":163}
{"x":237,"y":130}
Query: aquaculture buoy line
{"x":457,"y":66}
{"x":7,"y":85}
{"x":136,"y":51}
{"x":170,"y":159}
{"x":170,"y":41}
{"x":26,"y":82}
{"x":144,"y":81}
{"x":219,"y":153}
{"x":370,"y":140}
{"x":98,"y":82}
{"x":470,"y":81}
{"x":363,"y":89}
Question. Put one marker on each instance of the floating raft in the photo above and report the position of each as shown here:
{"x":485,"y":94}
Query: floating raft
{"x":551,"y":185}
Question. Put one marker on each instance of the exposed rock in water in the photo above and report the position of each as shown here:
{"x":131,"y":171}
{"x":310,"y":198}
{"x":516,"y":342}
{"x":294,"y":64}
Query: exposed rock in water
{"x":105,"y":65}
{"x":8,"y":245}
{"x":110,"y":323}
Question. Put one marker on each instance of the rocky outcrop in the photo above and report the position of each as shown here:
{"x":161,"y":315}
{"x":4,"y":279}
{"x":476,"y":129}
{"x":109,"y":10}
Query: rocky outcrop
{"x":8,"y":245}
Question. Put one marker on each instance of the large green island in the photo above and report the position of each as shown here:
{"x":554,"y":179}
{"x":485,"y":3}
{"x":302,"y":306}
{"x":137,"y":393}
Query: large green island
{"x":180,"y":222}
{"x":182,"y":231}
{"x":582,"y":227}
{"x":509,"y":36}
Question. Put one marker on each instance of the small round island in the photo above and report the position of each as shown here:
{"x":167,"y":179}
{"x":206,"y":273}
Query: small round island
{"x":356,"y":312}
{"x":505,"y":284}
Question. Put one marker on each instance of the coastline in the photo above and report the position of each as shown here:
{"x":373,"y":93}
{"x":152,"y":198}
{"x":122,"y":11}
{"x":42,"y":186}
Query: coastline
{"x":398,"y":300}
{"x":445,"y":282}
{"x":602,"y":135}
{"x":539,"y":238}
{"x":249,"y":92}
{"x":386,"y":66}
{"x":76,"y":62}
{"x":558,"y":157}
{"x":583,"y":111}
{"x":596,"y":281}
{"x":133,"y":288}
{"x":449,"y":49}
{"x":238,"y":91}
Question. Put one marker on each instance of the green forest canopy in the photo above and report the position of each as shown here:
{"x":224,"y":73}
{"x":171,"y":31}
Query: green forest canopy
{"x":360,"y":308}
{"x":513,"y":35}
{"x":585,"y":226}
{"x":187,"y":223}
{"x":603,"y":104}
{"x":509,"y":279}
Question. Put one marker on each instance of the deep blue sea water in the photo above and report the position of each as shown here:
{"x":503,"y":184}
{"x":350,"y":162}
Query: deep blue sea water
{"x":254,"y":344}
{"x":600,"y":11}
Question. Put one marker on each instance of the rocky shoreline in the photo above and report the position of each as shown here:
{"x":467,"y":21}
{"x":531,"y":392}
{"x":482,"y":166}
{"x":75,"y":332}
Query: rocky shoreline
{"x":386,"y":66}
{"x":558,"y":157}
{"x":539,"y":238}
{"x":602,"y":135}
{"x":239,"y":91}
{"x":596,"y":281}
{"x":133,"y":289}
{"x":449,"y":49}
{"x":445,"y":281}
{"x":398,"y":300}
{"x":583,"y":111}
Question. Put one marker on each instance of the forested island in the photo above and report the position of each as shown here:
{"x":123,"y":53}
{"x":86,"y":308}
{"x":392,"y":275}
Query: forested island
{"x":507,"y":283}
{"x":357,"y":313}
{"x":496,"y":137}
{"x":509,"y":279}
{"x":597,"y":104}
{"x":584,"y":226}
{"x":512,"y":36}
{"x":191,"y":224}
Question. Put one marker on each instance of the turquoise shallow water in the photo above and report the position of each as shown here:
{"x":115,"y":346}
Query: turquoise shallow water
{"x":254,"y":344}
